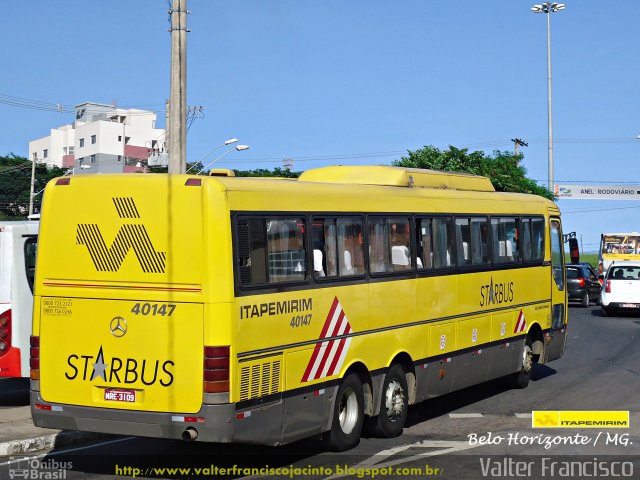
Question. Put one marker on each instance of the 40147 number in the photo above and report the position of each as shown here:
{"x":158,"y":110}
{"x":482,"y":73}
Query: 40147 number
{"x":300,"y":320}
{"x":153,"y":309}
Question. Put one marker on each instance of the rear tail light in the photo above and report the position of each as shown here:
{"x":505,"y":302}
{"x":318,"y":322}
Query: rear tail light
{"x":34,"y":357}
{"x":607,"y":286}
{"x":5,"y":332}
{"x":582,"y":281}
{"x":216,"y":369}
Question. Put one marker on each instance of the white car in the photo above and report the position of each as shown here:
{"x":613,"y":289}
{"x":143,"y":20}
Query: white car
{"x":621,"y":288}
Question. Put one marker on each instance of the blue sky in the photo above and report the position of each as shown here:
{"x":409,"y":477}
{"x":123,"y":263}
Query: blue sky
{"x":351,"y":81}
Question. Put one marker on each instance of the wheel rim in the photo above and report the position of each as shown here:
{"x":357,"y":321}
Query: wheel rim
{"x":527,"y":358}
{"x":348,"y":413}
{"x":394,"y":400}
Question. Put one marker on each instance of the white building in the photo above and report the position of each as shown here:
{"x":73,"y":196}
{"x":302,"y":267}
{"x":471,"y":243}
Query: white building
{"x":103,"y":139}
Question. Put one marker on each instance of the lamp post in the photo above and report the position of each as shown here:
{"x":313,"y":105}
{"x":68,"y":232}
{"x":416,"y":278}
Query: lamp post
{"x":549,"y":8}
{"x":227,"y":142}
{"x":238,"y":148}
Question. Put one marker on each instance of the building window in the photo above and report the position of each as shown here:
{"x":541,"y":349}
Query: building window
{"x":119,"y":138}
{"x":81,"y":142}
{"x":119,"y":158}
{"x":80,"y":161}
{"x":35,"y":156}
{"x":71,"y":150}
{"x":45,"y":153}
{"x":93,"y":139}
{"x":64,"y":150}
{"x":93,"y":159}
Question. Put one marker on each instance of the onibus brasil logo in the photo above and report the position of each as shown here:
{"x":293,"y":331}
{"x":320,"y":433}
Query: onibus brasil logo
{"x":131,"y":235}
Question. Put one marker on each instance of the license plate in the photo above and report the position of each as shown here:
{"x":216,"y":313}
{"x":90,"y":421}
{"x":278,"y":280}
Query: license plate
{"x":630,"y":305}
{"x":119,"y":395}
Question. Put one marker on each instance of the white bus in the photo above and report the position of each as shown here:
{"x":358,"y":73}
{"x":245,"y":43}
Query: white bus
{"x":18,"y":244}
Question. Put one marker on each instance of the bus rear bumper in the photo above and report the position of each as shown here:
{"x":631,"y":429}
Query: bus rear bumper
{"x":214,"y":423}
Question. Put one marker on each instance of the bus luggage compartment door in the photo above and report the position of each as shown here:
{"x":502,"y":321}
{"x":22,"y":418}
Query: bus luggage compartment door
{"x":122,"y":354}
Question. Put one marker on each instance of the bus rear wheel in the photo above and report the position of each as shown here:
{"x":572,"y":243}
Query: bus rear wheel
{"x":395,"y":404}
{"x":521,"y":378}
{"x":348,"y":416}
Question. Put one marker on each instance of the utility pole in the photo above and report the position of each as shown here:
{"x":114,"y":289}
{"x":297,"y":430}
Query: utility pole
{"x":177,"y":130}
{"x":33,"y":181}
{"x":519,"y":142}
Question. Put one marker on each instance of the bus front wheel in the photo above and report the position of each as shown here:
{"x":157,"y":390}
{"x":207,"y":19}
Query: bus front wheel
{"x":348,"y":415}
{"x":395,"y":404}
{"x":521,"y":378}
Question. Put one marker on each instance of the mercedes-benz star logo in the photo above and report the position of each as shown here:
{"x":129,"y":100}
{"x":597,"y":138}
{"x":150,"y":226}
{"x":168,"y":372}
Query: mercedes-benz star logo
{"x":118,"y":327}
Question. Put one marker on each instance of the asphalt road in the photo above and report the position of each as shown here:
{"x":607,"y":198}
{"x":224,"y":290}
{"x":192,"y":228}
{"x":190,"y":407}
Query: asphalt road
{"x":599,"y":371}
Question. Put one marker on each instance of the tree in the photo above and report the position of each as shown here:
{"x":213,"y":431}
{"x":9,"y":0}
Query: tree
{"x":15,"y":185}
{"x":263,"y":172}
{"x":502,"y":168}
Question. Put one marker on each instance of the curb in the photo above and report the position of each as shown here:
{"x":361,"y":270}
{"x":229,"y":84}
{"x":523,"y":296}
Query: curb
{"x":53,"y":440}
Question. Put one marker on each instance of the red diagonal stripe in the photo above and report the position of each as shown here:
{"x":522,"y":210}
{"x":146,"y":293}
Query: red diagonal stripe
{"x":327,"y":322}
{"x":327,"y":350}
{"x":334,"y":363}
{"x":323,"y":334}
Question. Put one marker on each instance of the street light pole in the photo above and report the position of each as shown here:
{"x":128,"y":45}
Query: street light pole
{"x":33,"y":181}
{"x":227,"y":142}
{"x":238,"y":148}
{"x":549,"y":8}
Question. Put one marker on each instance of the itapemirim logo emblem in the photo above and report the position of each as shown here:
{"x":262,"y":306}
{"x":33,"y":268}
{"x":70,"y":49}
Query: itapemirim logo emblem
{"x":131,"y":235}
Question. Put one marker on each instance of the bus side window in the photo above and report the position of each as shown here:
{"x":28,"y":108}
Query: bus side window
{"x":337,"y":244}
{"x":424,"y":243}
{"x":442,"y":243}
{"x":389,"y":244}
{"x":537,"y":233}
{"x":525,"y":236}
{"x":505,"y":240}
{"x":271,"y":250}
{"x":463,"y":240}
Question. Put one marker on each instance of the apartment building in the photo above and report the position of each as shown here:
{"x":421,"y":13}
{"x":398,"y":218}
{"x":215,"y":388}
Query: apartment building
{"x":102,"y":139}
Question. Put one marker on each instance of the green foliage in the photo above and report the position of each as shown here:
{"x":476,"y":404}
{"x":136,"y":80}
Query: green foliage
{"x":502,"y":168}
{"x":15,"y":185}
{"x":263,"y":172}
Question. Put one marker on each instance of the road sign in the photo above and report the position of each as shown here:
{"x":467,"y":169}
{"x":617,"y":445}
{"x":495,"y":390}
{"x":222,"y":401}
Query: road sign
{"x":598,"y":192}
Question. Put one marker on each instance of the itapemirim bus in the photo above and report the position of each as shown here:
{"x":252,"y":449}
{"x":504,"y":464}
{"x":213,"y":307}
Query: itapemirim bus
{"x":259,"y":310}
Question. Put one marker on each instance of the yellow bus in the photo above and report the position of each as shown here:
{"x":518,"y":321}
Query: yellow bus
{"x":258,"y":310}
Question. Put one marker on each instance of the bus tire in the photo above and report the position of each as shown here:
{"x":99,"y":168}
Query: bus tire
{"x":348,"y":416}
{"x":394,"y":404}
{"x":520,"y":379}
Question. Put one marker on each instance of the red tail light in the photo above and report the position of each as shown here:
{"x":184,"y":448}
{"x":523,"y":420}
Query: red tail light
{"x":34,"y":360}
{"x":216,"y":369}
{"x":582,"y":281}
{"x":607,"y":286}
{"x":5,"y":332}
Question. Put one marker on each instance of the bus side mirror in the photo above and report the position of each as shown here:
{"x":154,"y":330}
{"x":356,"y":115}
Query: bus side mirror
{"x":574,"y":251}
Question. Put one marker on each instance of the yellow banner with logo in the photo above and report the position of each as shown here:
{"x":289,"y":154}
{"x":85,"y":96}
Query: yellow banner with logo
{"x":580,"y":419}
